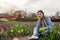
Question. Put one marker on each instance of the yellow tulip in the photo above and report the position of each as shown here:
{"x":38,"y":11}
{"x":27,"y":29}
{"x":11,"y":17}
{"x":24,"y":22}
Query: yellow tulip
{"x":15,"y":38}
{"x":2,"y":30}
{"x":11,"y":30}
{"x":59,"y":24}
{"x":18,"y":31}
{"x":27,"y":31}
{"x":21,"y":30}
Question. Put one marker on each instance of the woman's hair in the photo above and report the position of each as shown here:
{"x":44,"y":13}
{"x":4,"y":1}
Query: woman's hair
{"x":41,"y":12}
{"x":42,"y":20}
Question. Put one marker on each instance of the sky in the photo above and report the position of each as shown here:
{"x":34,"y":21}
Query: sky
{"x":50,"y":7}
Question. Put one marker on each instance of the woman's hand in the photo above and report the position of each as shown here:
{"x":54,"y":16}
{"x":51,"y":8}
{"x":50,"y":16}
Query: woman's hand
{"x":42,"y":29}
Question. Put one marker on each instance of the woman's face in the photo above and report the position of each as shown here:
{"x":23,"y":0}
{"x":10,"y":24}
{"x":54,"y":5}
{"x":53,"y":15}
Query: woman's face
{"x":40,"y":14}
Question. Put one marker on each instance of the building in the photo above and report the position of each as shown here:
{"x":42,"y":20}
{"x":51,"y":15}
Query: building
{"x":14,"y":15}
{"x":57,"y":16}
{"x":22,"y":13}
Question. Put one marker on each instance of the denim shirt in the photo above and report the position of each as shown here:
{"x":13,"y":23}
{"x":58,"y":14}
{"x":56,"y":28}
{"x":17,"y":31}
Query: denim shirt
{"x":48,"y":22}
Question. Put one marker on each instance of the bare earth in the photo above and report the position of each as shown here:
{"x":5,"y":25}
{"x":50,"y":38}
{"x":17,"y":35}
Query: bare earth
{"x":16,"y":38}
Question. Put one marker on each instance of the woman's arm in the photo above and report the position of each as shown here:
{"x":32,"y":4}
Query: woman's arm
{"x":49,"y":23}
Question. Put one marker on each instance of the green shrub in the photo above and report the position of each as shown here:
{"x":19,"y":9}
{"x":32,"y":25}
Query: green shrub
{"x":26,"y":19}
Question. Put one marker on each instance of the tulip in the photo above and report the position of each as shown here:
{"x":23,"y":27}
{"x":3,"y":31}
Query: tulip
{"x":18,"y":31}
{"x":11,"y":30}
{"x":2,"y":30}
{"x":27,"y":31}
{"x":15,"y":38}
{"x":21,"y":30}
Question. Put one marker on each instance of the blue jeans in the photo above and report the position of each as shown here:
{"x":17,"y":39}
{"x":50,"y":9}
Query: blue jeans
{"x":36,"y":29}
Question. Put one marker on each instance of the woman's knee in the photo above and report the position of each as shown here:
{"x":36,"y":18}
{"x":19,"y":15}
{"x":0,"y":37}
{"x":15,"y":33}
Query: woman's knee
{"x":36,"y":28}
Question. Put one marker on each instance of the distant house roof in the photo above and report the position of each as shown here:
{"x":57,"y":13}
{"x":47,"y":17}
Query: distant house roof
{"x":7,"y":16}
{"x":19,"y":11}
{"x":55,"y":17}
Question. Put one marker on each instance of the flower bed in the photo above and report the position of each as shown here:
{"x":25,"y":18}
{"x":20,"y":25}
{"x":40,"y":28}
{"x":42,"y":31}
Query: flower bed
{"x":18,"y":29}
{"x":21,"y":30}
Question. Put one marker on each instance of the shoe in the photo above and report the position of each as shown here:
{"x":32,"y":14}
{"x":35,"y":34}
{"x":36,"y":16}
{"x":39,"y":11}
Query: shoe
{"x":33,"y":37}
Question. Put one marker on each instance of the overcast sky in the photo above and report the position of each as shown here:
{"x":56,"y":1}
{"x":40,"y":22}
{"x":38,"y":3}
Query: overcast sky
{"x":50,"y":7}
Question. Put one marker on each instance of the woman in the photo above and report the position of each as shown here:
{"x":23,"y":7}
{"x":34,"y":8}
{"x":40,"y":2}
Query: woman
{"x":44,"y":24}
